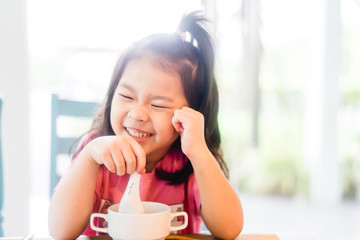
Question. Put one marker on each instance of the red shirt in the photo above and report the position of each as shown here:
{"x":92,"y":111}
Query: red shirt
{"x":184,"y":197}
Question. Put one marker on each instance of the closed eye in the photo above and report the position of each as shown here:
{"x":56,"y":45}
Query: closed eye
{"x":159,"y":106}
{"x":125,"y":96}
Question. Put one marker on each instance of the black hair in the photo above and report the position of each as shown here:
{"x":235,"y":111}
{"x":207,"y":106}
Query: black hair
{"x":189,"y":52}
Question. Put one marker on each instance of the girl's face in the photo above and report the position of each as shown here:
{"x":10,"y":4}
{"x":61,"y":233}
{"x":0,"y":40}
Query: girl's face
{"x":143,"y":106}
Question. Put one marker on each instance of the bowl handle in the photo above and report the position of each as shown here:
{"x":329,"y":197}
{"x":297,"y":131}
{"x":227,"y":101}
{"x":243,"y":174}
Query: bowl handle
{"x":95,"y":228}
{"x":182,"y":226}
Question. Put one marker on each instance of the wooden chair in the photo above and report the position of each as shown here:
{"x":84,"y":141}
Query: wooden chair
{"x":1,"y":175}
{"x":79,"y":112}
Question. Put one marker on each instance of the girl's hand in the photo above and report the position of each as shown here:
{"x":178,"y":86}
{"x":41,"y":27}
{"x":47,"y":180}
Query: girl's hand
{"x":120,"y":154}
{"x":190,"y":125}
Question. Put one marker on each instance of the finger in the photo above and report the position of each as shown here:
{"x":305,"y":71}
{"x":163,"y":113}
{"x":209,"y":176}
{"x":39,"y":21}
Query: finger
{"x":187,"y":109}
{"x":106,"y":159}
{"x":140,"y":156}
{"x":119,"y":161}
{"x":176,"y":121}
{"x":129,"y":155}
{"x":188,"y":117}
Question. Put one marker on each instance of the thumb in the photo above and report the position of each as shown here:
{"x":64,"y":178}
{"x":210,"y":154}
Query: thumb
{"x":177,"y":124}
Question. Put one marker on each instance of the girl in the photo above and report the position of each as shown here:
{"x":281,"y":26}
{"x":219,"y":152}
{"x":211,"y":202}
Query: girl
{"x":159,"y":119}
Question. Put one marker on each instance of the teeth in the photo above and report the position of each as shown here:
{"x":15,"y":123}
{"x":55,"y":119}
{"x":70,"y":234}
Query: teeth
{"x":137,"y":134}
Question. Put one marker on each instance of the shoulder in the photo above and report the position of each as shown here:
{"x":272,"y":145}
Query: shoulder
{"x":81,"y":142}
{"x":86,"y":138}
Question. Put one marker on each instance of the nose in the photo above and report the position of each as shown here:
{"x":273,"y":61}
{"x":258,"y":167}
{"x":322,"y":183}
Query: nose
{"x":138,"y":113}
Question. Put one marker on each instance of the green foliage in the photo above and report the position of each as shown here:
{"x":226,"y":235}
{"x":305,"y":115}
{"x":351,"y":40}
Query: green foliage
{"x":351,"y":166}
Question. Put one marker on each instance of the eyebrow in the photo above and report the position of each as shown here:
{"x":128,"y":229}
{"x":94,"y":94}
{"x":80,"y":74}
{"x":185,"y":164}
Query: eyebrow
{"x":155,"y":97}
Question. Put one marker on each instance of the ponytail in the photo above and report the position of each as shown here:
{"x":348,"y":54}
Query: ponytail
{"x":192,"y":31}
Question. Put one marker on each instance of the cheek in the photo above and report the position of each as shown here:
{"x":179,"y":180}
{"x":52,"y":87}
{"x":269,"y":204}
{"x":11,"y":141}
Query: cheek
{"x":165,"y":126}
{"x":116,"y":118}
{"x":170,"y":131}
{"x":112,"y":118}
{"x":113,"y":121}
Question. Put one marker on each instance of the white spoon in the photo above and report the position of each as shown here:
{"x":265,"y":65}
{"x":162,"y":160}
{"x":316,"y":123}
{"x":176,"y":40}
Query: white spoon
{"x":131,"y":202}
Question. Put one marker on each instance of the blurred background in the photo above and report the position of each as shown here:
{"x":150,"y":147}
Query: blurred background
{"x":289,"y":90}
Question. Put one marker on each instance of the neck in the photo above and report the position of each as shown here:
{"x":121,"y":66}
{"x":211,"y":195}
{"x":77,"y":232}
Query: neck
{"x":150,"y":166}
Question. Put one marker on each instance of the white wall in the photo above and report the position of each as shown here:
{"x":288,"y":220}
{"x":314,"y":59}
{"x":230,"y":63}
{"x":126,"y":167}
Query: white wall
{"x":321,"y":103}
{"x":14,"y":88}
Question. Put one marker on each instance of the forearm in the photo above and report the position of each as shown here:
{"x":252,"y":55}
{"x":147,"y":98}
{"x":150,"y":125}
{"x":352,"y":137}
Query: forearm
{"x":72,"y":203}
{"x":220,"y":206}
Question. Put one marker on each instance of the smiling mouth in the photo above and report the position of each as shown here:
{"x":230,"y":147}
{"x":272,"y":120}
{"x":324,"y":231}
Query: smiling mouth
{"x":137,"y":134}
